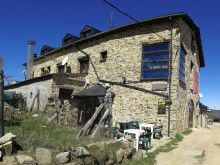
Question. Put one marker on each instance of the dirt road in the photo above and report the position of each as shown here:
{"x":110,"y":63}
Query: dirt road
{"x":201,"y":147}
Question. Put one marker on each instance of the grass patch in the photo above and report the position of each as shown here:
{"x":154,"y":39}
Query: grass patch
{"x":151,"y":157}
{"x":187,"y":131}
{"x":217,"y":144}
{"x":34,"y":132}
{"x":200,"y":157}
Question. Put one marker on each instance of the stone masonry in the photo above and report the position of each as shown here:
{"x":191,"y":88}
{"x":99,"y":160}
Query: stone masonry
{"x":124,"y":53}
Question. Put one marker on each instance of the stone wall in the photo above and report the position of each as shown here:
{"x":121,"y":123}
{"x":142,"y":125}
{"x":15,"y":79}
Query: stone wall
{"x":48,"y":90}
{"x":30,"y":92}
{"x":124,"y":53}
{"x":185,"y":92}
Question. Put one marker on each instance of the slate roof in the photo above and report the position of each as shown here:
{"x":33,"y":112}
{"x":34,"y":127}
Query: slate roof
{"x":214,"y":114}
{"x":70,"y":37}
{"x":47,"y":48}
{"x":94,"y":91}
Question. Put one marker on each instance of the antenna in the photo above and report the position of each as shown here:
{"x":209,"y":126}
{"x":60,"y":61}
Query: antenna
{"x":111,"y":20}
{"x":65,"y":60}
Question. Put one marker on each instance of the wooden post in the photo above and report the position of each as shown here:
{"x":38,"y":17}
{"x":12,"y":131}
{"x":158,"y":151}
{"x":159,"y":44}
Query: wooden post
{"x":57,"y":108}
{"x":1,"y":103}
{"x":38,"y":100}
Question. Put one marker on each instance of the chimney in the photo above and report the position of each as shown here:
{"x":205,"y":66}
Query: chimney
{"x":30,"y":59}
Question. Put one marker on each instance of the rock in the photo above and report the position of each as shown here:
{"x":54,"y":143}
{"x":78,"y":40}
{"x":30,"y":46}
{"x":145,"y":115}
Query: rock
{"x":80,"y":152}
{"x":7,"y":148}
{"x":111,"y":160}
{"x":138,"y":155}
{"x":43,"y":156}
{"x":71,"y":163}
{"x":25,"y":160}
{"x":93,"y":148}
{"x":35,"y":115}
{"x":119,"y":155}
{"x":10,"y":160}
{"x":63,"y":157}
{"x":128,"y":153}
{"x":7,"y":137}
{"x":1,"y":155}
{"x":129,"y":150}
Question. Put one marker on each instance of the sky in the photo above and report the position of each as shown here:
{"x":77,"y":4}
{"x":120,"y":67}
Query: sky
{"x":47,"y":21}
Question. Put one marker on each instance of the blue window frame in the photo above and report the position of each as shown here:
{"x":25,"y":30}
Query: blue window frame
{"x":182,"y":65}
{"x":155,"y":61}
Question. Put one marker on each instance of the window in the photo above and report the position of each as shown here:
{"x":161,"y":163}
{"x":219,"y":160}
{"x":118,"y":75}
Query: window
{"x":87,"y":33}
{"x":42,"y":71}
{"x":68,"y":69}
{"x":84,"y":66}
{"x":103,"y":56}
{"x":193,"y":49}
{"x":60,"y":68}
{"x":48,"y":69}
{"x":191,"y":67}
{"x":155,"y":61}
{"x":182,"y":65}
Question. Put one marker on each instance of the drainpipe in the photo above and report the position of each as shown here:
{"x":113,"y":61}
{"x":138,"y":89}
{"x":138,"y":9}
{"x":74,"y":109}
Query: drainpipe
{"x":169,"y":102}
{"x":30,"y":59}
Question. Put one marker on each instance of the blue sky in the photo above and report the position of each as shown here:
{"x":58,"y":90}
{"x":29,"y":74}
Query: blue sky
{"x":47,"y":21}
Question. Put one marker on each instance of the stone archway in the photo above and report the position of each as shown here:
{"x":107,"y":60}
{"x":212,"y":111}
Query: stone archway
{"x":191,"y":112}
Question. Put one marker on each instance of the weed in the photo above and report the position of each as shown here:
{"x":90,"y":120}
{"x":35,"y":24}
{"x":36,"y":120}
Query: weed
{"x":151,"y":157}
{"x":217,"y":144}
{"x":34,"y":132}
{"x":200,"y":157}
{"x":187,"y":131}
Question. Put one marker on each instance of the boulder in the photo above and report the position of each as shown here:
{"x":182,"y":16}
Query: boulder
{"x":80,"y":152}
{"x":93,"y":148}
{"x":138,"y":155}
{"x":43,"y":156}
{"x":1,"y":153}
{"x":10,"y":160}
{"x":7,"y":137}
{"x":129,"y":151}
{"x":71,"y":163}
{"x":119,"y":155}
{"x":110,"y":160}
{"x":25,"y":160}
{"x":63,"y":157}
{"x":7,"y":148}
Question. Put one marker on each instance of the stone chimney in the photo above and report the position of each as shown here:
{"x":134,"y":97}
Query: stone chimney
{"x":30,"y":59}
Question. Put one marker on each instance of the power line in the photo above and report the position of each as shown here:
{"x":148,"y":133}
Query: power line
{"x":132,"y":18}
{"x":115,"y":7}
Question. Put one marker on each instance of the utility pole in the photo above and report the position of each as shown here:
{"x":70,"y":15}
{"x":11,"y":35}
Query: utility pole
{"x":1,"y":103}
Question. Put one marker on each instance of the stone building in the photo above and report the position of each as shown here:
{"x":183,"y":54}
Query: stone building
{"x":144,"y":63}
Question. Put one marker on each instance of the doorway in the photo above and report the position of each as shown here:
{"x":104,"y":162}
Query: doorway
{"x":87,"y":107}
{"x":191,"y":112}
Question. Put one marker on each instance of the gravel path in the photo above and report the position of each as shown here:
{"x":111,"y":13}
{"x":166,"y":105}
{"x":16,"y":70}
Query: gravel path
{"x":201,"y":147}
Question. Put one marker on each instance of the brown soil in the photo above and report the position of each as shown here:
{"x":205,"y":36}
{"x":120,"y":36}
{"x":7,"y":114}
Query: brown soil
{"x":201,"y":147}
